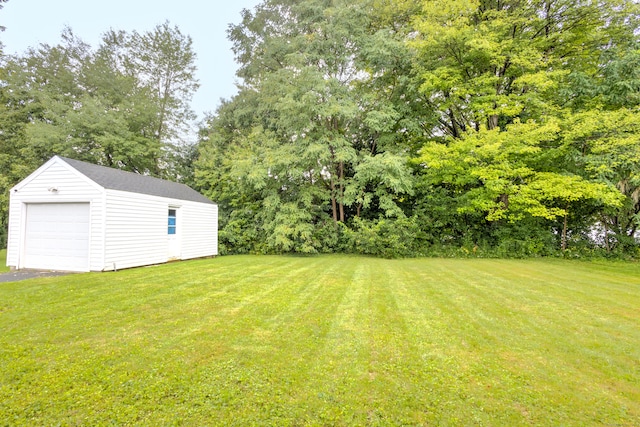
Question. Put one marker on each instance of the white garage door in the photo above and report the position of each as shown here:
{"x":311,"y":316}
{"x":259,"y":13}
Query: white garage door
{"x":57,"y":236}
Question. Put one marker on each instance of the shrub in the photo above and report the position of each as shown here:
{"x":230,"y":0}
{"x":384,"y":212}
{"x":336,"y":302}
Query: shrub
{"x":385,"y":237}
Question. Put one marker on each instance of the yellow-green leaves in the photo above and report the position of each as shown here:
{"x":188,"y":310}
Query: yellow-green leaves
{"x":498,"y":173}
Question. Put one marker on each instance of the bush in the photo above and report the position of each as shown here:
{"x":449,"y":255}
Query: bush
{"x":385,"y":237}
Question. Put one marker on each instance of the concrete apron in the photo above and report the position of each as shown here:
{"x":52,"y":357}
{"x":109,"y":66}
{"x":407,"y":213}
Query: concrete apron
{"x":17,"y":275}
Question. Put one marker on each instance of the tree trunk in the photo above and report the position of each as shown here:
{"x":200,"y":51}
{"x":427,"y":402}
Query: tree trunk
{"x":333,"y":201}
{"x":492,"y":122}
{"x":454,"y":125}
{"x":504,"y":199}
{"x":607,"y":245}
{"x":341,"y":185}
{"x":564,"y":232}
{"x":334,"y":207}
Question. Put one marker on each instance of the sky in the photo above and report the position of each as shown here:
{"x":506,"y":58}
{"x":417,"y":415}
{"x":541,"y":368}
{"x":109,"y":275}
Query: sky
{"x":32,"y":22}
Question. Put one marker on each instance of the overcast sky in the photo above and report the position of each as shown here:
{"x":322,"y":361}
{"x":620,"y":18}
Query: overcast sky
{"x":31,"y":22}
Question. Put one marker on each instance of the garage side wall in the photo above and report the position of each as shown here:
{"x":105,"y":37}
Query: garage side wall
{"x":199,"y":236}
{"x":55,"y":183}
{"x":136,"y":230}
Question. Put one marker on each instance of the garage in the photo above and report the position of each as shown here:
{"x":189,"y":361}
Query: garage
{"x":57,"y":236}
{"x":70,"y":215}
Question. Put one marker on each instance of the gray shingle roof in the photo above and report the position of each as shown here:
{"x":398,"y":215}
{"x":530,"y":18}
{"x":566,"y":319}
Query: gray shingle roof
{"x":116,"y":179}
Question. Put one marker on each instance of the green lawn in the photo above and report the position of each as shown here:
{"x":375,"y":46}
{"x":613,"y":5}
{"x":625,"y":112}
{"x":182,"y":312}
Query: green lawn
{"x":327,"y":340}
{"x":3,"y":261}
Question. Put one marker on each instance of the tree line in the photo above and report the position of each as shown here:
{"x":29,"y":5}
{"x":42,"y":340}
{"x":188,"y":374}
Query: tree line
{"x":123,"y":104}
{"x":383,"y":127}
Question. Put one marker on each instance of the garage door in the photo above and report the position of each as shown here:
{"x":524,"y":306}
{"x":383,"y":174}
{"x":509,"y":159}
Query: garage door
{"x":57,"y":236}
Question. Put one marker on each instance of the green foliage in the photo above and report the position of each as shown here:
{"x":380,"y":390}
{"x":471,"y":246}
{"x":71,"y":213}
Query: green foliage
{"x":385,"y":237}
{"x":528,"y":117}
{"x":123,"y":105}
{"x":607,"y":143}
{"x":500,"y":174}
{"x":317,"y":132}
{"x":385,"y":127}
{"x":488,"y":128}
{"x":163,"y":60}
{"x":103,"y":106}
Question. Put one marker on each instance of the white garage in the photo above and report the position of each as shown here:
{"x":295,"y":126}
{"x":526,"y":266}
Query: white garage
{"x":70,"y":215}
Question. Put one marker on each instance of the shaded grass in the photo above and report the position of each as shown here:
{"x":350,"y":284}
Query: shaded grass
{"x":328,"y":340}
{"x":3,"y":261}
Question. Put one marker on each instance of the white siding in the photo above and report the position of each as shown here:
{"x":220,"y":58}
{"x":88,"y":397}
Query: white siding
{"x":126,"y":229}
{"x":72,"y":187}
{"x":136,"y":227}
{"x":15,"y":219}
{"x":199,"y":230}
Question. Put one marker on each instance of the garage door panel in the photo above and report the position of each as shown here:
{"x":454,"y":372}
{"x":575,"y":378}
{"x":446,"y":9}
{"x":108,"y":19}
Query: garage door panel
{"x":57,"y":236}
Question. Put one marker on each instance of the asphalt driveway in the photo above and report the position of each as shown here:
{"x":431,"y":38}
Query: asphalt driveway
{"x":15,"y":276}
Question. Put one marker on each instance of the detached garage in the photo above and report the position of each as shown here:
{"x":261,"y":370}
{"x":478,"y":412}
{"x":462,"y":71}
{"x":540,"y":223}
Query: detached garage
{"x":75,"y":216}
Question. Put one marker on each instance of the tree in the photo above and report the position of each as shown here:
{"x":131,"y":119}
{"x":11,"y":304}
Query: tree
{"x":606,"y":142}
{"x":331,"y":99}
{"x":163,"y":60}
{"x":107,"y":106}
{"x":602,"y":135}
{"x":77,"y":105}
{"x":120,"y":105}
{"x":501,"y":175}
{"x":487,"y":62}
{"x":512,"y":83}
{"x":4,"y":163}
{"x":2,"y":28}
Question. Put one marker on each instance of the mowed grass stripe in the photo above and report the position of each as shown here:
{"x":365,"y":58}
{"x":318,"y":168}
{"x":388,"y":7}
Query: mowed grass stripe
{"x":327,"y":340}
{"x":533,"y":346}
{"x":454,"y":335}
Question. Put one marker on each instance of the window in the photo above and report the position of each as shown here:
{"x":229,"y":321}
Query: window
{"x":172,"y":221}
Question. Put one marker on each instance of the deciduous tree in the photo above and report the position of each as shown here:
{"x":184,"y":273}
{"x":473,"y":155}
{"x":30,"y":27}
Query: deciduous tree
{"x":333,"y":100}
{"x":520,"y":89}
{"x":121,"y":105}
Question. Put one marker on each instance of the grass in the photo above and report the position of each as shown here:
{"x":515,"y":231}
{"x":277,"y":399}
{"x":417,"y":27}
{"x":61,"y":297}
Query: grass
{"x":3,"y":261}
{"x":327,"y":340}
